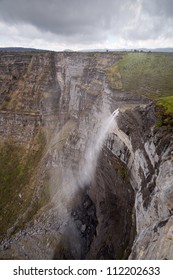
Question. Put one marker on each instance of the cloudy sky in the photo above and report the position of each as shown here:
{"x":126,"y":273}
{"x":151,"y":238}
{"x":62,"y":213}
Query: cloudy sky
{"x":86,"y":24}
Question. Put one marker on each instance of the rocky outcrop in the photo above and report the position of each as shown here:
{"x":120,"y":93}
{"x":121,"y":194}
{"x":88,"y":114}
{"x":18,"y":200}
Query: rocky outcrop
{"x":78,"y":203}
{"x":146,"y":151}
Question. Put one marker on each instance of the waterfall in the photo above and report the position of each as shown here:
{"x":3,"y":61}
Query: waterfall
{"x":71,"y":180}
{"x":92,"y":152}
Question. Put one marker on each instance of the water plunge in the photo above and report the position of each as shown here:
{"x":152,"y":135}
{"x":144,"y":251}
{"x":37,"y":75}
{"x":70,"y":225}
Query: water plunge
{"x":82,"y":220}
{"x":87,"y":170}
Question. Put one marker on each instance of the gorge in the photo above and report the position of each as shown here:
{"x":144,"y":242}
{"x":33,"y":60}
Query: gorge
{"x":77,"y":182}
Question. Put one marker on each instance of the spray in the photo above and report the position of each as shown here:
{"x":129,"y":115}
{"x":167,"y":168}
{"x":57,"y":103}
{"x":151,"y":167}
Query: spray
{"x":73,"y":181}
{"x":89,"y":164}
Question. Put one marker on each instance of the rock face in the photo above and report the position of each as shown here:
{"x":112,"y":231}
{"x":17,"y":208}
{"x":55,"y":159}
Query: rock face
{"x":146,"y":151}
{"x":71,"y":200}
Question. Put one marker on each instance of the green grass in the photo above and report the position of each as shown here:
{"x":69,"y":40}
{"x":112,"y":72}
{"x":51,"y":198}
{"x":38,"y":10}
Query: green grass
{"x":17,"y":167}
{"x":166,"y":103}
{"x":148,"y":74}
{"x":164,"y":111}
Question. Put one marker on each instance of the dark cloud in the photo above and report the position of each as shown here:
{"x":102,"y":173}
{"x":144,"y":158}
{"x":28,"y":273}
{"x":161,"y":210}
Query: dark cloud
{"x":89,"y":21}
{"x":66,"y":17}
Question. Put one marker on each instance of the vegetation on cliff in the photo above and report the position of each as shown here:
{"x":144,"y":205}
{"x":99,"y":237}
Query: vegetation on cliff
{"x":149,"y":75}
{"x":18,"y":165}
{"x":164,"y":111}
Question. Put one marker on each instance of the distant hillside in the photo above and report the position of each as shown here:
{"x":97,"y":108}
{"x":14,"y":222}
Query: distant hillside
{"x":21,"y":50}
{"x":130,"y":50}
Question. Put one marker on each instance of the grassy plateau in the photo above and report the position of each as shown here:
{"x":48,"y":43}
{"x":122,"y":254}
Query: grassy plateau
{"x":149,"y":75}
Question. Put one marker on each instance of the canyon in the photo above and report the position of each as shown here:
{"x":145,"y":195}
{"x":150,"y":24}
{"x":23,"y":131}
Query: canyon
{"x":72,"y":187}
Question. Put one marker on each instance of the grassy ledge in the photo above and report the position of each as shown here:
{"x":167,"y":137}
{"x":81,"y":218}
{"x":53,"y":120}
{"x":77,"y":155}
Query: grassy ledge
{"x":164,"y":111}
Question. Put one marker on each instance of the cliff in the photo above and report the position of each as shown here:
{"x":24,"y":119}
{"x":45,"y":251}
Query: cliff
{"x":63,"y":195}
